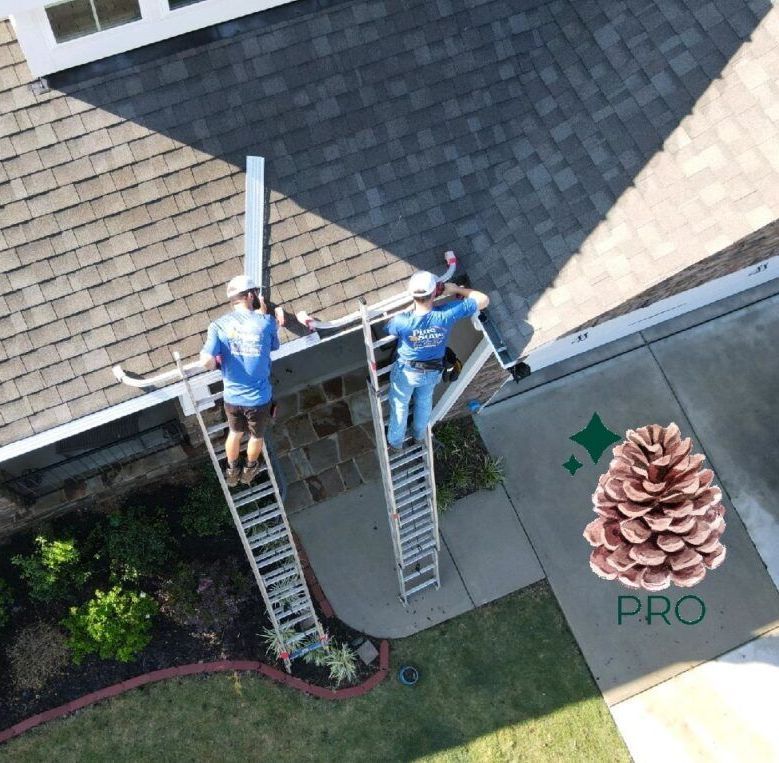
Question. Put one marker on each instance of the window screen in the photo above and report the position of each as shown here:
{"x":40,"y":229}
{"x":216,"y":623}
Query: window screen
{"x":76,"y":18}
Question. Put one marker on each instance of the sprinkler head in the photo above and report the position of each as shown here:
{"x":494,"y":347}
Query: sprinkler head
{"x":408,"y":675}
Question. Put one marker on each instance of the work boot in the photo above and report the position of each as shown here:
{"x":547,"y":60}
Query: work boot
{"x":393,"y":449}
{"x":232,"y":474}
{"x":250,"y":472}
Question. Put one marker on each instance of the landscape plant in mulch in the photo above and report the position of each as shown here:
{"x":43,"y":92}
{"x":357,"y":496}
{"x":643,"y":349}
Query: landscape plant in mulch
{"x":462,"y":463}
{"x":94,"y":598}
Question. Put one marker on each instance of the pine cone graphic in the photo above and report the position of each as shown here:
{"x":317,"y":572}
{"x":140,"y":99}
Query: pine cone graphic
{"x":659,"y":517}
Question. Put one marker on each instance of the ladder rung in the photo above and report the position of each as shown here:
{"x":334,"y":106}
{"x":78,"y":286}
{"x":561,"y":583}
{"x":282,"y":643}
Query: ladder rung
{"x":294,"y":590}
{"x":412,"y":515}
{"x":404,"y":457}
{"x":269,"y":536}
{"x":384,"y":341}
{"x":293,"y":607}
{"x":253,"y":494}
{"x":274,"y":577}
{"x":422,"y":586}
{"x":418,"y":473}
{"x":412,"y":544}
{"x":271,"y":557}
{"x":427,"y":551}
{"x":411,"y":497}
{"x":413,"y":532}
{"x":419,"y":573}
{"x":216,"y":428}
{"x":259,"y":517}
{"x":302,"y":635}
{"x":290,"y":623}
{"x":384,"y":369}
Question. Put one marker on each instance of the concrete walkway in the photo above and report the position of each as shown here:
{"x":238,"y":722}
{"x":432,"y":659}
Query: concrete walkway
{"x":485,"y":554}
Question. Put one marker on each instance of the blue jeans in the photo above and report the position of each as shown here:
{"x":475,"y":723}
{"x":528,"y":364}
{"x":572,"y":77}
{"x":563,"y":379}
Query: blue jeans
{"x":406,"y":382}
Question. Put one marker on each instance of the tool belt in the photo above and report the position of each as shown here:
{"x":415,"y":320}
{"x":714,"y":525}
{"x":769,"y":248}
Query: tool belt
{"x":425,"y":365}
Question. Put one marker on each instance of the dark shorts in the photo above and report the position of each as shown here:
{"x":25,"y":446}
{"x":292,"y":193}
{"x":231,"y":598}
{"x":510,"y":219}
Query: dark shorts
{"x":240,"y":418}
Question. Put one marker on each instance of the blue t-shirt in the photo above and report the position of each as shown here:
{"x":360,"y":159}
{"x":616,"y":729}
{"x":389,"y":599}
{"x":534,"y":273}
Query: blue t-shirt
{"x":244,"y":341}
{"x":423,"y":337}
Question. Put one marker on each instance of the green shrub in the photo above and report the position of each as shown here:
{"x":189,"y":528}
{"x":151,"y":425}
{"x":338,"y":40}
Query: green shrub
{"x":53,"y":571}
{"x":6,"y":601}
{"x":138,"y":541}
{"x":38,"y":652}
{"x":341,"y":661}
{"x":206,"y":600}
{"x":116,"y":625}
{"x":204,"y":512}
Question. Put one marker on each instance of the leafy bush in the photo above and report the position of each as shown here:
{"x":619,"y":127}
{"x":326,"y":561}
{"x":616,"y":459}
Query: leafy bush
{"x":115,"y":624}
{"x":6,"y":600}
{"x":53,"y":571}
{"x":39,"y":652}
{"x":341,"y":661}
{"x":204,"y":511}
{"x":206,"y":600}
{"x":138,"y":541}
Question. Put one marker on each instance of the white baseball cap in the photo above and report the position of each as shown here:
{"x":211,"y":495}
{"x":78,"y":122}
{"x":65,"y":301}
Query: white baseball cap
{"x":239,"y":284}
{"x":422,"y":284}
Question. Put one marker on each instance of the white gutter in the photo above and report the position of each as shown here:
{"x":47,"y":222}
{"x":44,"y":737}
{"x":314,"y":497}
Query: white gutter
{"x":385,"y":305}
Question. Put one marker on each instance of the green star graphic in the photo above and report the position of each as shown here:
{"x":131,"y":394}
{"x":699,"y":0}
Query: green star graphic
{"x":595,"y":438}
{"x":573,"y":465}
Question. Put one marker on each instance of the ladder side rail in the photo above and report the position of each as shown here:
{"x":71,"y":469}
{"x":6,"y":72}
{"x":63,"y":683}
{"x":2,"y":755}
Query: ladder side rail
{"x":228,"y":498}
{"x":433,"y":496}
{"x":296,"y":556}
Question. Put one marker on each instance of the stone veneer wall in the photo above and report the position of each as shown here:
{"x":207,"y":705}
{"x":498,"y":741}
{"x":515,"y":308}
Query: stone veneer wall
{"x":107,"y":489}
{"x":324,"y":437}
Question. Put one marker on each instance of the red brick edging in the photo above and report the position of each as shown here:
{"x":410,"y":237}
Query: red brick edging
{"x":203,"y":667}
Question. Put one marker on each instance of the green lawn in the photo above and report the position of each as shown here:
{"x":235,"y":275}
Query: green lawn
{"x":504,"y":682}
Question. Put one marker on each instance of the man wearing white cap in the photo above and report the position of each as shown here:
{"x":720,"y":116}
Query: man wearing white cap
{"x":243,"y":340}
{"x":422,"y":333}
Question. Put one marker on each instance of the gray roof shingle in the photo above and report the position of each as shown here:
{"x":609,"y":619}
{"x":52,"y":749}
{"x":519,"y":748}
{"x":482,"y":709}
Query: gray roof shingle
{"x":572,"y":155}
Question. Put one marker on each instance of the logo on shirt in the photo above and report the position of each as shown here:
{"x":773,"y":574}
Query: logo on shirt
{"x":247,"y":344}
{"x":421,"y":338}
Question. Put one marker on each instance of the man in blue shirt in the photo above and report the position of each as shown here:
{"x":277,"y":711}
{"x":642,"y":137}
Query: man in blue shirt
{"x":422,"y":334}
{"x":243,"y":340}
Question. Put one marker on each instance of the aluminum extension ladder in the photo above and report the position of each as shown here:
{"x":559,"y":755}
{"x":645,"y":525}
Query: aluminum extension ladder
{"x":408,"y":478}
{"x":261,"y":521}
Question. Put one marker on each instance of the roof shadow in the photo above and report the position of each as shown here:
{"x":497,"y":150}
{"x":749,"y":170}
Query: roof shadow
{"x":503,"y":131}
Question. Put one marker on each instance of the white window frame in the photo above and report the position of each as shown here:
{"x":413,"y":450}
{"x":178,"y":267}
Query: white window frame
{"x":51,"y":40}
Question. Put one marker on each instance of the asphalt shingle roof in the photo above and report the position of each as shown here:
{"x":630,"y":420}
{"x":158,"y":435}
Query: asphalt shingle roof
{"x":572,"y":155}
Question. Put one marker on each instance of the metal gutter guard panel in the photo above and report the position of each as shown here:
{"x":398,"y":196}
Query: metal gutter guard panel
{"x":254,"y":264}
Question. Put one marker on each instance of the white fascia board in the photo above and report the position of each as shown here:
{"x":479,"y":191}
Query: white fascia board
{"x":128,"y":407}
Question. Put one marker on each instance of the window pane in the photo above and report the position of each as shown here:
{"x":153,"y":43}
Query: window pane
{"x":70,"y":20}
{"x":115,"y":12}
{"x":173,"y":4}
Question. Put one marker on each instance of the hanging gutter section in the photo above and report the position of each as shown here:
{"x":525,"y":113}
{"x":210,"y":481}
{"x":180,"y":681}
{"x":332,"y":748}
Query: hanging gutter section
{"x":254,"y":221}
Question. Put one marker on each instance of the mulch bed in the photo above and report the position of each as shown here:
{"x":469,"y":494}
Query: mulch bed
{"x":171,"y":645}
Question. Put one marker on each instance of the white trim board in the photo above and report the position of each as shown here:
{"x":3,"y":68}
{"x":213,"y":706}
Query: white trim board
{"x":658,"y":312}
